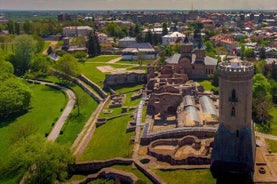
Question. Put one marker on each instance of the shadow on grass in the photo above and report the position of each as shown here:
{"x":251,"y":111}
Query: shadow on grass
{"x":5,"y":121}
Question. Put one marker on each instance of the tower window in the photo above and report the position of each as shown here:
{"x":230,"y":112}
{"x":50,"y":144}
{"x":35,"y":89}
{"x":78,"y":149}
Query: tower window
{"x":233,"y":97}
{"x":233,"y":112}
{"x":237,"y":133}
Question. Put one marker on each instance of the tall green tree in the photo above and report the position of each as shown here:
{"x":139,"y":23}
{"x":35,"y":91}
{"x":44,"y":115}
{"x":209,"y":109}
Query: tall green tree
{"x":40,"y":63}
{"x":93,"y":45}
{"x":262,"y":53}
{"x":39,"y":43}
{"x":164,"y":31}
{"x":262,"y":99}
{"x":249,"y":53}
{"x":273,"y":71}
{"x":68,"y":64}
{"x":45,"y":162}
{"x":24,"y":50}
{"x":15,"y":96}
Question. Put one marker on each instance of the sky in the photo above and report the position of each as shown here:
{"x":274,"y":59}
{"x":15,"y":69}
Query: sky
{"x":137,"y":4}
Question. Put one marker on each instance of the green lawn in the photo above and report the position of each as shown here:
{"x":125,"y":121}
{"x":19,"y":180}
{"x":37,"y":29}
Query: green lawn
{"x":102,"y":58}
{"x":75,"y":123}
{"x":207,"y":85}
{"x":110,"y":140}
{"x":90,"y":70}
{"x":46,"y":103}
{"x":272,"y":145}
{"x":46,"y":45}
{"x":273,"y":113}
{"x":273,"y":124}
{"x":186,"y":176}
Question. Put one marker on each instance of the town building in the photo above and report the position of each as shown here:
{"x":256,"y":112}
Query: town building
{"x":173,"y":38}
{"x":192,"y":60}
{"x":73,"y":31}
{"x":139,"y":51}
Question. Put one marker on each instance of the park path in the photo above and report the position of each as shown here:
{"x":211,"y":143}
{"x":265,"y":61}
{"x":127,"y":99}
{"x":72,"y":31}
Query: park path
{"x":67,"y":110}
{"x":114,"y":60}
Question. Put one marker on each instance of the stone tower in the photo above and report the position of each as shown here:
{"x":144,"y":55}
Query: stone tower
{"x":233,"y":155}
{"x":186,"y":47}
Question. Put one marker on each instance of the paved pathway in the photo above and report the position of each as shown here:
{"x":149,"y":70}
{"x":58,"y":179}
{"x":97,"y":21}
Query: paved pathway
{"x":67,"y":110}
{"x":114,"y":60}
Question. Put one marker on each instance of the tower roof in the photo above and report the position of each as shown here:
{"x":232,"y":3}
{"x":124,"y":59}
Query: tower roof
{"x":186,"y":40}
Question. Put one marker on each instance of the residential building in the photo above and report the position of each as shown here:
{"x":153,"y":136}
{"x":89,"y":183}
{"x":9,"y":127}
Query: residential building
{"x":73,"y":31}
{"x":173,"y":38}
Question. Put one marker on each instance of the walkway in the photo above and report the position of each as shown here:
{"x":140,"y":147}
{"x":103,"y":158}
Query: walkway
{"x":114,"y":60}
{"x":67,"y":110}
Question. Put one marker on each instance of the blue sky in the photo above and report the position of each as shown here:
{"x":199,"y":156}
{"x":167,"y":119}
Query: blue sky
{"x":136,"y":4}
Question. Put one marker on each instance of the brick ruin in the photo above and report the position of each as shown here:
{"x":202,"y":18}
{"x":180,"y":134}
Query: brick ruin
{"x":181,"y":119}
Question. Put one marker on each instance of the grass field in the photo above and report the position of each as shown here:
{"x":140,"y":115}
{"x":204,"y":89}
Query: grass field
{"x":272,"y":145}
{"x":46,"y":104}
{"x":102,"y":58}
{"x":273,"y":113}
{"x":111,"y":140}
{"x":186,"y":176}
{"x":75,"y":123}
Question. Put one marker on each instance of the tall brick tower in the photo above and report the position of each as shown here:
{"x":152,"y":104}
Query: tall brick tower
{"x":233,"y":155}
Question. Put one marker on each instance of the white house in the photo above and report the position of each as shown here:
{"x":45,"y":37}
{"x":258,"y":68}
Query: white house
{"x":173,"y":38}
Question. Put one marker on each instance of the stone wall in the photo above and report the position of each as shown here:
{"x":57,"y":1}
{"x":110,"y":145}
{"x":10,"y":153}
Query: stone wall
{"x":124,"y":78}
{"x":147,"y":138}
{"x":90,"y":167}
{"x":102,"y":93}
{"x":79,"y":83}
{"x":170,"y":158}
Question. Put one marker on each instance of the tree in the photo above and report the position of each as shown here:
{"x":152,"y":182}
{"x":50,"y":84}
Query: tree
{"x":149,"y":37}
{"x":40,"y":63}
{"x":15,"y":96}
{"x":262,"y":53}
{"x":49,"y":50}
{"x":68,"y":64}
{"x":164,"y":31}
{"x":45,"y":161}
{"x":242,"y":49}
{"x":273,"y":71}
{"x":262,"y":99}
{"x":215,"y":78}
{"x":249,"y":53}
{"x":40,"y":43}
{"x":260,"y":67}
{"x":24,"y":50}
{"x":137,"y":30}
{"x":93,"y":45}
